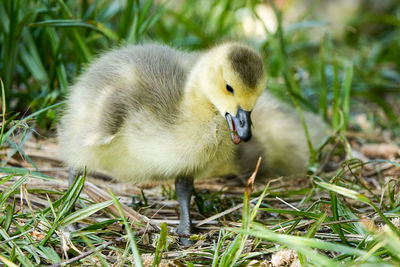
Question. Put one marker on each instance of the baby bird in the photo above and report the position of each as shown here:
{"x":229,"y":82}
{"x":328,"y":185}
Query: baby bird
{"x":153,"y":113}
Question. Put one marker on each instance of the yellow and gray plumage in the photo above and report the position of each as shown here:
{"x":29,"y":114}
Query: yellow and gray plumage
{"x":153,"y":113}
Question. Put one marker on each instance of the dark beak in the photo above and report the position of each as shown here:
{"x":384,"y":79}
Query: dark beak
{"x":239,"y":125}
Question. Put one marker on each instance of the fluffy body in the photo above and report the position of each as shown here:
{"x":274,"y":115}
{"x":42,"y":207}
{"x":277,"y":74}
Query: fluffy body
{"x":152,"y":113}
{"x":141,"y":113}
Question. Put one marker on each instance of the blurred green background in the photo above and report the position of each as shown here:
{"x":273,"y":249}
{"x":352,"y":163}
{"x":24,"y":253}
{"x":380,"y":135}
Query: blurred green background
{"x":338,"y":58}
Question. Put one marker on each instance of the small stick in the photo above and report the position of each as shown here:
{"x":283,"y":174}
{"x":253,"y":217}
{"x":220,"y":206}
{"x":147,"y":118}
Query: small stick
{"x":103,"y":246}
{"x":252,"y":178}
{"x":216,"y":216}
{"x":14,"y":237}
{"x":284,"y":202}
{"x":84,"y":255}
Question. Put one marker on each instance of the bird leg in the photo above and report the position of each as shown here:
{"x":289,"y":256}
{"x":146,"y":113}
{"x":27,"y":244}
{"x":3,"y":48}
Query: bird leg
{"x":184,"y":190}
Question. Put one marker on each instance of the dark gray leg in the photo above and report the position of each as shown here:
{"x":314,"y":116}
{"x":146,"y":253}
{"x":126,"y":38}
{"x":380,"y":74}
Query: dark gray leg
{"x":184,"y":190}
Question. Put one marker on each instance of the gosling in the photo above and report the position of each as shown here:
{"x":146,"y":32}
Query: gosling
{"x":152,"y":113}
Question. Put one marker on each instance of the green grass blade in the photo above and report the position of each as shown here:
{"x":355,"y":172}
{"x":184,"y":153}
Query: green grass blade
{"x":8,"y":216}
{"x":217,"y":248}
{"x":360,"y":197}
{"x":85,"y":52}
{"x":311,"y":215}
{"x":83,"y":213}
{"x":304,"y":245}
{"x":126,"y":19}
{"x":50,"y":254}
{"x":336,"y":114}
{"x":3,"y":110}
{"x":313,"y":229}
{"x":7,"y":262}
{"x":346,"y":85}
{"x":63,"y":206}
{"x":10,"y":190}
{"x":161,"y":245}
{"x":323,"y":97}
{"x":310,"y":233}
{"x":17,"y":147}
{"x":132,"y":242}
{"x":72,"y":23}
{"x":6,"y":178}
{"x":335,"y":213}
{"x":30,"y":117}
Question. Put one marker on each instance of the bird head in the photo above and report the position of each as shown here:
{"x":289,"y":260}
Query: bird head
{"x":235,"y":80}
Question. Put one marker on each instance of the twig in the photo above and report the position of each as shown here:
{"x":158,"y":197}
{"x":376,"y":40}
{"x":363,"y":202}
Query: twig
{"x":342,"y":221}
{"x":216,"y":216}
{"x":84,"y":255}
{"x":103,"y":246}
{"x":16,"y":236}
{"x":288,"y":204}
{"x":252,"y":178}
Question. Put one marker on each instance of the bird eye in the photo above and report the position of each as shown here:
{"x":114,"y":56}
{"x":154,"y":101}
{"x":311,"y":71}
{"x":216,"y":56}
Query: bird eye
{"x":229,"y":89}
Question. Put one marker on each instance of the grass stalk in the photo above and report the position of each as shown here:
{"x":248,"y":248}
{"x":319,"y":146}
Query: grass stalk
{"x":3,"y":110}
{"x":132,"y":242}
